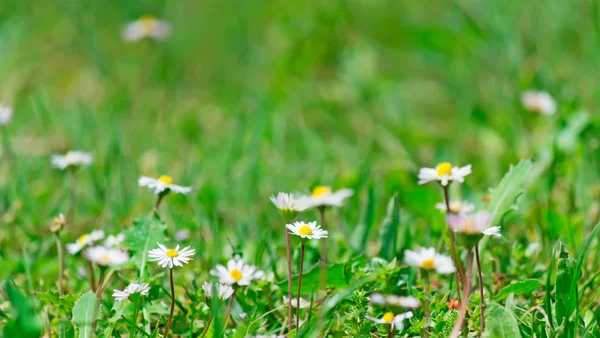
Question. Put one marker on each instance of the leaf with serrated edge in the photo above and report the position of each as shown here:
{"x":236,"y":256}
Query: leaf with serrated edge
{"x":146,"y":232}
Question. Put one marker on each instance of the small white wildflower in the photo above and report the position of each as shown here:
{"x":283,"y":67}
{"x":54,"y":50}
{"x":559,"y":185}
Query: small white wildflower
{"x":236,"y":272}
{"x":324,"y":196}
{"x":303,"y":303}
{"x":182,"y":235}
{"x":6,"y":114}
{"x":132,"y":288}
{"x":223,"y":291}
{"x":445,"y":173}
{"x":393,"y":300}
{"x":85,"y":240}
{"x":171,"y":257}
{"x":308,"y":230}
{"x":72,"y":158}
{"x":113,"y":241}
{"x":472,"y":225}
{"x":396,"y":321}
{"x":146,"y":27}
{"x":106,"y":256}
{"x":428,"y":259}
{"x":538,"y":102}
{"x":161,"y":184}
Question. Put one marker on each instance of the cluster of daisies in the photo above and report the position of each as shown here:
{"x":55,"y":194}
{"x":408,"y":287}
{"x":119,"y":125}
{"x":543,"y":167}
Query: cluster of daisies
{"x":464,"y":222}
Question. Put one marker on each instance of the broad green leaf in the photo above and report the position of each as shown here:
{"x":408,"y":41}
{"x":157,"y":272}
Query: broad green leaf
{"x":500,"y":323}
{"x":389,"y":230}
{"x":504,"y":196}
{"x":361,"y":233}
{"x":83,"y":314}
{"x":518,"y":288}
{"x":567,"y":139}
{"x":146,"y":232}
{"x":24,"y":321}
{"x":562,"y":287}
{"x":65,"y":329}
{"x":311,"y":279}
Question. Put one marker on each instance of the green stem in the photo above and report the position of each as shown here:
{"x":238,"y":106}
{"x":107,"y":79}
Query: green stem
{"x":299,"y":289}
{"x":481,"y":303}
{"x":289,"y":271}
{"x":426,"y":305}
{"x":229,"y":308}
{"x":91,"y":275}
{"x":135,"y":316}
{"x":172,"y":303}
{"x":72,"y":196}
{"x":61,"y":266}
{"x":460,"y":272}
{"x":467,"y":285}
{"x":206,"y":328}
{"x":136,"y":327}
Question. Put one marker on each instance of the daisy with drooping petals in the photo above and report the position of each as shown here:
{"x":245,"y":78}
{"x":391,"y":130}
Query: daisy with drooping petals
{"x":146,"y":27}
{"x":162,"y":184}
{"x":6,"y":114}
{"x":473,"y":225}
{"x":308,"y":230}
{"x":85,"y":240}
{"x":113,"y":241}
{"x":538,"y":102}
{"x":237,"y":272}
{"x":396,"y":321}
{"x":132,"y":288}
{"x":289,"y":205}
{"x":427,"y":259}
{"x":393,"y":300}
{"x":324,"y":196}
{"x":445,"y":173}
{"x":223,"y":291}
{"x":104,"y":256}
{"x":303,"y":303}
{"x":456,"y":207}
{"x":72,"y":158}
{"x":58,"y":223}
{"x":171,"y":257}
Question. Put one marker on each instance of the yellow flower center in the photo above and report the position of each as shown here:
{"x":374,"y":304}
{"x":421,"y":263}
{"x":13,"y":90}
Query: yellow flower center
{"x":172,"y":253}
{"x":444,"y":168}
{"x":305,"y":230}
{"x":147,"y":23}
{"x":236,"y":274}
{"x":428,"y":264}
{"x":166,"y":179}
{"x":388,"y":317}
{"x":321,"y":190}
{"x":81,"y":238}
{"x":105,"y":259}
{"x":57,"y":220}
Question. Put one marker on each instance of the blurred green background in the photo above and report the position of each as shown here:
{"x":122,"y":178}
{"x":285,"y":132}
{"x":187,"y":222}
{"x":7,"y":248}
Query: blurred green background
{"x":248,"y":98}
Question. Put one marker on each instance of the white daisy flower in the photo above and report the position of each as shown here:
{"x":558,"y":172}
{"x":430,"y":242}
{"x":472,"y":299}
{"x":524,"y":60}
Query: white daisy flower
{"x":72,"y":158}
{"x":472,"y":225}
{"x":223,"y":291}
{"x":393,"y":300}
{"x":161,"y":184}
{"x":538,"y":102}
{"x":308,"y":230}
{"x":397,"y":321}
{"x":444,"y":172}
{"x":289,"y":204}
{"x":113,"y":241}
{"x":237,"y":272}
{"x":303,"y":303}
{"x":324,"y":196}
{"x":456,"y":207}
{"x":6,"y":114}
{"x":106,"y":256}
{"x":85,"y":240}
{"x":171,"y":257}
{"x":146,"y":27}
{"x":132,"y":288}
{"x":58,"y":223}
{"x":428,"y":259}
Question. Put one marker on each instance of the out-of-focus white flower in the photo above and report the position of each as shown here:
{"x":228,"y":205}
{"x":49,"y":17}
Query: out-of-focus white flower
{"x":106,"y":256}
{"x":236,"y":272}
{"x":393,"y":300}
{"x":72,"y":158}
{"x":308,"y":230}
{"x":289,"y":205}
{"x":58,"y":223}
{"x":146,"y":27}
{"x":538,"y":102}
{"x":324,"y":196}
{"x":428,"y":259}
{"x":303,"y":303}
{"x":132,"y":288}
{"x":161,"y":184}
{"x":456,"y":207}
{"x":182,"y":235}
{"x":171,"y":257}
{"x":85,"y":240}
{"x":113,"y":241}
{"x":6,"y":114}
{"x":444,"y":172}
{"x":223,"y":291}
{"x":473,"y":225}
{"x":397,"y":321}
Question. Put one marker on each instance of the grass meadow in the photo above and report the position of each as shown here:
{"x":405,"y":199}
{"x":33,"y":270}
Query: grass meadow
{"x":241,"y":100}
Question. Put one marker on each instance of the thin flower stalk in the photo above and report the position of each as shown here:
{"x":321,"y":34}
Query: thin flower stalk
{"x":168,"y":327}
{"x":459,"y":267}
{"x":426,"y":290}
{"x":229,"y":308}
{"x":61,"y":264}
{"x":481,"y":302}
{"x":467,"y":287}
{"x":300,"y":286}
